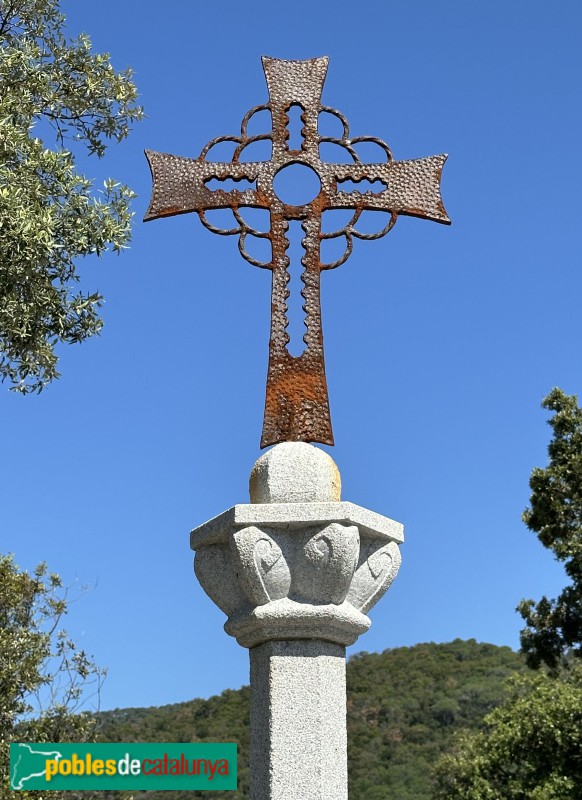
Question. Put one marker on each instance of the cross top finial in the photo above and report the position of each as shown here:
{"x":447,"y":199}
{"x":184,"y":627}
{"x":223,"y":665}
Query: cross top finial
{"x":296,"y":406}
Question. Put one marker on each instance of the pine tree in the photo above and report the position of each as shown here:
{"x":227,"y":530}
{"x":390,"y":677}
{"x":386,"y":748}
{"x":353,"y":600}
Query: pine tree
{"x":554,"y":627}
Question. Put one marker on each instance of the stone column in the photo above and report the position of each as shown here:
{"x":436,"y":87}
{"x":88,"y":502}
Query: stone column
{"x":296,"y":571}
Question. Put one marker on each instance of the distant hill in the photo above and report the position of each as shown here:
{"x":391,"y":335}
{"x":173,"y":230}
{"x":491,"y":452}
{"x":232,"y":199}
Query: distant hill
{"x":404,"y":705}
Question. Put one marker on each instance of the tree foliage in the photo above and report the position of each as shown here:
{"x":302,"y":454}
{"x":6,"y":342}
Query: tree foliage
{"x":531,"y":748}
{"x":44,"y":678}
{"x":54,"y":94}
{"x":554,"y":627}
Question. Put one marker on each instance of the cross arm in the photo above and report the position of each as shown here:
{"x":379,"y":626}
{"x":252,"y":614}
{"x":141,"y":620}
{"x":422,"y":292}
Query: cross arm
{"x":179,"y":185}
{"x":413,"y":187}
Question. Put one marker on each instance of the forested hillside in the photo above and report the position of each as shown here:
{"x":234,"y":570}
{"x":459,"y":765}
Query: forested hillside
{"x":404,"y":706}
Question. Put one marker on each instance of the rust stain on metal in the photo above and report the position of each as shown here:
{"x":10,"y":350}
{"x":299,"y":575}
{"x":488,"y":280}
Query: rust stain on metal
{"x":296,"y":405}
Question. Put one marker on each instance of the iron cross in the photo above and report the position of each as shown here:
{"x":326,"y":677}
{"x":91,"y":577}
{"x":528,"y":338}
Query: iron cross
{"x":297,"y":405}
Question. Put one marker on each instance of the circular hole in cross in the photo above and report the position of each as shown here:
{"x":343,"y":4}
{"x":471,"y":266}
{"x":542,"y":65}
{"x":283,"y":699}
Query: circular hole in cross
{"x":296,"y":184}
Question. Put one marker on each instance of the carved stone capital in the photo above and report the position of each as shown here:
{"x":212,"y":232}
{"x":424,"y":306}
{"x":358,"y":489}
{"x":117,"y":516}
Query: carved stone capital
{"x":297,"y":570}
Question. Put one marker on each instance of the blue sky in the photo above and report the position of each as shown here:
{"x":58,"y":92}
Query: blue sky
{"x":440,"y":341}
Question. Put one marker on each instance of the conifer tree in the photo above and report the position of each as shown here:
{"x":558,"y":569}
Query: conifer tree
{"x":553,"y":631}
{"x":532,"y":744}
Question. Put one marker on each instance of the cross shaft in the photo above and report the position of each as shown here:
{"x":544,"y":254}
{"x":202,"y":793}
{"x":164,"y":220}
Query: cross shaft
{"x":296,"y":405}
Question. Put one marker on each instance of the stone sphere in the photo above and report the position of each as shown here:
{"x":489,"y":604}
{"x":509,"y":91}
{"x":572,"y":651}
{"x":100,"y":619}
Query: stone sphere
{"x":295,"y":472}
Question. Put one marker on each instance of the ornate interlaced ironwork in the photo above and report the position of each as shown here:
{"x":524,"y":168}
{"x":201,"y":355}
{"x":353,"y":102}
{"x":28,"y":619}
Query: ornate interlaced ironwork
{"x":296,"y":406}
{"x":244,"y":229}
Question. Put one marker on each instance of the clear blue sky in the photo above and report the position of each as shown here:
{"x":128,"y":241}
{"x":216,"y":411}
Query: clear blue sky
{"x":440,"y":342}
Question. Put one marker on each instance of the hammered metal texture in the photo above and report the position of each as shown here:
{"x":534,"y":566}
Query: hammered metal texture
{"x":296,"y":405}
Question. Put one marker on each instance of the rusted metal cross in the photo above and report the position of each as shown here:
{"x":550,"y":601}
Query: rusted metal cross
{"x":297,"y":405}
